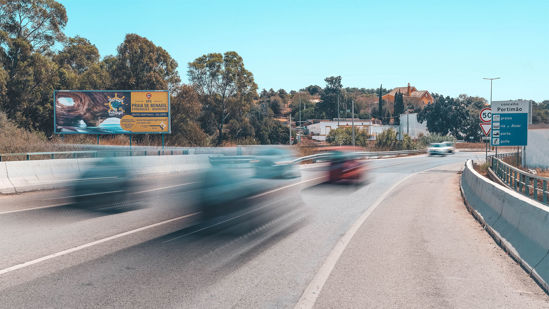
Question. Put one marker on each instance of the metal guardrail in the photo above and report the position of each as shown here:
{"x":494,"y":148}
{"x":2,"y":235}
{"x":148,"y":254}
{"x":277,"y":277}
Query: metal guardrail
{"x":533,"y":186}
{"x":121,"y":151}
{"x":89,"y":154}
{"x":363,"y":154}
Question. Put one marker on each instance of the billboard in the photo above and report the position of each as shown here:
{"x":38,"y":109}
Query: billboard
{"x":111,"y":112}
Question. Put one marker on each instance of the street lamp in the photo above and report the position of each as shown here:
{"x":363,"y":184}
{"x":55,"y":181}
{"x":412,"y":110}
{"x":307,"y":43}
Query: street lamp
{"x":491,"y":79}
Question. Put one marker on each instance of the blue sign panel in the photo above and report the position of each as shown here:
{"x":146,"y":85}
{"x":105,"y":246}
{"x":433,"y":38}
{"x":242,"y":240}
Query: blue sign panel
{"x":509,"y":123}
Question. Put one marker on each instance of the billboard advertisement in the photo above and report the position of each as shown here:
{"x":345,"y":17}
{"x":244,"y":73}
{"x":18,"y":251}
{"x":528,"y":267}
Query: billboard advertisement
{"x":111,"y":112}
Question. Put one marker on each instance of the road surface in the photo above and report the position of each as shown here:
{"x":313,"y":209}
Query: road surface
{"x":418,"y":247}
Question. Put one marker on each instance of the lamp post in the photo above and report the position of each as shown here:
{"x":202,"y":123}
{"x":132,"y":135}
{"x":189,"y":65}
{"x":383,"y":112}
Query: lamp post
{"x":491,"y":79}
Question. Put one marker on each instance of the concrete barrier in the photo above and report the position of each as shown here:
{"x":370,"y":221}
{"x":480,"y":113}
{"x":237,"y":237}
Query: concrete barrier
{"x":6,"y":187}
{"x":24,"y":176}
{"x":519,"y":224}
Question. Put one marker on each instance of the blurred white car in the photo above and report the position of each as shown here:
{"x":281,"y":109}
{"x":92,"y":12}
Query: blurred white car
{"x":440,"y":149}
{"x":451,"y":146}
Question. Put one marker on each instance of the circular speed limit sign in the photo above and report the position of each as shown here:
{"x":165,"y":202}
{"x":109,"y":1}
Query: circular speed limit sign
{"x":486,"y":114}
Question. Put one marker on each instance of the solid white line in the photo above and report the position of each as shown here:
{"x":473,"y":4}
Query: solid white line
{"x":164,"y":188}
{"x":99,"y":193}
{"x":27,"y":209}
{"x":284,"y":187}
{"x":93,"y":243}
{"x":311,"y":293}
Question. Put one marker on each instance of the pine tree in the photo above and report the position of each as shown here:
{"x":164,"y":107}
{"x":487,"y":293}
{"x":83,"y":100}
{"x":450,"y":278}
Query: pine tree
{"x":399,"y":107}
{"x":380,"y":104}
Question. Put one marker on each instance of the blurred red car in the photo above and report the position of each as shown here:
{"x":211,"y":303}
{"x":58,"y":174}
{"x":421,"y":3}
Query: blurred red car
{"x":346,"y":166}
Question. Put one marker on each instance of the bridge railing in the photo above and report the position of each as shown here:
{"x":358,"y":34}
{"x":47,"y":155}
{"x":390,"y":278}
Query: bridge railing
{"x":531,"y":185}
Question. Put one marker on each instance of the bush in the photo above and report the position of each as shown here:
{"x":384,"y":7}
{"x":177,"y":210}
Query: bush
{"x":388,"y":140}
{"x":16,"y":140}
{"x":344,"y":136}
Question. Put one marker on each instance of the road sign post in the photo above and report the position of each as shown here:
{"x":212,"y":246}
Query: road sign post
{"x":485,"y":116}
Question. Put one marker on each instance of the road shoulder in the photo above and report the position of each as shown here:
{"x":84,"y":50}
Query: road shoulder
{"x":427,"y":252}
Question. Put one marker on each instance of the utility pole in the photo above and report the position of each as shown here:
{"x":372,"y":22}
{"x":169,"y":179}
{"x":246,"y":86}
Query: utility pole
{"x":353,"y":119}
{"x":491,"y":79}
{"x":338,"y":110}
{"x":408,"y":123}
{"x":290,"y":126}
{"x":299,"y":111}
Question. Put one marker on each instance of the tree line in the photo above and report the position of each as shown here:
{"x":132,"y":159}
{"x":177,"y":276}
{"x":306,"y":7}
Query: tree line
{"x":220,"y":105}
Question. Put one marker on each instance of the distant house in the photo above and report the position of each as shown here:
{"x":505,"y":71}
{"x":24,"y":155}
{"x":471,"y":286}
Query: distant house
{"x":410,"y":96}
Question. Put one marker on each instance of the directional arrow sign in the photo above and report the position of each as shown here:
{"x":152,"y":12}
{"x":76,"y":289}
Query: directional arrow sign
{"x":486,"y":127}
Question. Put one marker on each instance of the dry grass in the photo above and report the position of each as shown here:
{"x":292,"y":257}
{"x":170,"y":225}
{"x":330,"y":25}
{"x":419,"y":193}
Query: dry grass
{"x":482,"y":168}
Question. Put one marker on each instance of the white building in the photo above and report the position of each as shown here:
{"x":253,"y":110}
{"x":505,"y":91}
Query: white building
{"x":321,"y":129}
{"x":408,"y":125}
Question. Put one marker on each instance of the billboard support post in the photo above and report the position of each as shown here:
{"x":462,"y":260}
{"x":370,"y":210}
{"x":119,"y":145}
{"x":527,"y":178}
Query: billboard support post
{"x":162,"y":141}
{"x":97,"y":139}
{"x":130,"y":142}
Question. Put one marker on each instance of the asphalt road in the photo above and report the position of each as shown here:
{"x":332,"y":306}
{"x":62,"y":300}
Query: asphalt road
{"x":153,"y":256}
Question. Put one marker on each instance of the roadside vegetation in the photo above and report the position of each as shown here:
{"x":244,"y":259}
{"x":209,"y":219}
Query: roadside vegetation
{"x":221,"y":104}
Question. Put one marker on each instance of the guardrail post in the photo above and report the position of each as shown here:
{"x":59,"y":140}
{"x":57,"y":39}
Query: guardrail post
{"x":544,"y":192}
{"x":53,"y":156}
{"x":535,"y":189}
{"x":526,"y":185}
{"x":28,"y":156}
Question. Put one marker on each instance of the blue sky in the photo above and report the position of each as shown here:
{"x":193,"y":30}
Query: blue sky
{"x":442,"y":46}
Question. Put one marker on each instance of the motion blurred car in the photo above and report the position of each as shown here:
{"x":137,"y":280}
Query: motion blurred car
{"x":451,"y":146}
{"x":275,"y":162}
{"x":230,"y":198}
{"x":439,"y":149}
{"x":106,"y":185}
{"x":346,"y":166}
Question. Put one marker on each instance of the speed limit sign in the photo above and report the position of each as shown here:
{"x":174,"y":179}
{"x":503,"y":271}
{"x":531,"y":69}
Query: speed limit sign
{"x":486,"y":114}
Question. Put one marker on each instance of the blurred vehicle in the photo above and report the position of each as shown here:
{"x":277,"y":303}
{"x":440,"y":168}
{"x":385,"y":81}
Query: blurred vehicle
{"x":451,"y":146}
{"x":345,"y":165}
{"x":275,"y":162}
{"x":440,"y":149}
{"x":106,"y":185}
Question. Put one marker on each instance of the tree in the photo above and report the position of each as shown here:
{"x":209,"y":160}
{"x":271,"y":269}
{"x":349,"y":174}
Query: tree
{"x":79,"y":66}
{"x":327,"y":108}
{"x":225,"y":87}
{"x":313,"y":90}
{"x":446,"y":116}
{"x":142,"y":65}
{"x":399,"y":107}
{"x":380,"y":103}
{"x":38,"y":22}
{"x":185,"y":110}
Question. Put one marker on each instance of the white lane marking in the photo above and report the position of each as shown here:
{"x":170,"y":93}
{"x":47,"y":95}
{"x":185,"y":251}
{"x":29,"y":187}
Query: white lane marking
{"x":99,"y":193}
{"x":311,"y":293}
{"x":28,"y":209}
{"x":284,"y":187}
{"x":234,"y":218}
{"x":165,"y":188}
{"x":91,"y":244}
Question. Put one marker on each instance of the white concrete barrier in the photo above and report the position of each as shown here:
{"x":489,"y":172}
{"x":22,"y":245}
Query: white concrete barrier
{"x":6,"y":187}
{"x":24,"y":176}
{"x":518,"y":223}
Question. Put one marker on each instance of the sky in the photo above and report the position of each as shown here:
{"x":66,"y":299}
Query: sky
{"x":446,"y":47}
